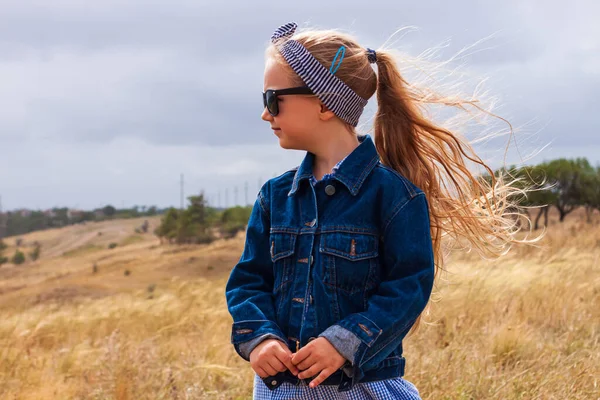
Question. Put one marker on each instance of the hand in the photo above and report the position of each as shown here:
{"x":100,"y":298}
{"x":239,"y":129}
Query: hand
{"x":318,"y":357}
{"x":270,"y":357}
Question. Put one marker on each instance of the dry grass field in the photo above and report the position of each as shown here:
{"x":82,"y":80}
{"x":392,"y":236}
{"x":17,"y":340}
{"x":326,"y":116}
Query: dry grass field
{"x":150,"y":321}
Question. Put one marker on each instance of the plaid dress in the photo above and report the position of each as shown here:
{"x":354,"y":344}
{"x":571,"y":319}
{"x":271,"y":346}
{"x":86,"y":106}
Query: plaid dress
{"x":387,"y":389}
{"x":393,"y":389}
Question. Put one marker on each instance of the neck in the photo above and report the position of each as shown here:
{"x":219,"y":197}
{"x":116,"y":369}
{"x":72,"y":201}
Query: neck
{"x":331,"y":151}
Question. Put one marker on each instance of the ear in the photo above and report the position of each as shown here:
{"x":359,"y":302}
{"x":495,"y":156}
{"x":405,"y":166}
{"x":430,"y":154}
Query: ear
{"x":325,"y":114}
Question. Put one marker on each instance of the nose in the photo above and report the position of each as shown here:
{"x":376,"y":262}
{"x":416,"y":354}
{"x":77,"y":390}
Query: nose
{"x":266,"y":116}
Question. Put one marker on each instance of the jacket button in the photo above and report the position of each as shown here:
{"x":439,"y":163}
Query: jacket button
{"x":330,"y":190}
{"x":273,"y":382}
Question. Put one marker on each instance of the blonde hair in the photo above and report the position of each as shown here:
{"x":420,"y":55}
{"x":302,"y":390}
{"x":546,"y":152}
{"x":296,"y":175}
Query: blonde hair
{"x":480,"y":212}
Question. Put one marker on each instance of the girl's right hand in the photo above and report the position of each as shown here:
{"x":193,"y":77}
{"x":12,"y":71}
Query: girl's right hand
{"x":270,"y":357}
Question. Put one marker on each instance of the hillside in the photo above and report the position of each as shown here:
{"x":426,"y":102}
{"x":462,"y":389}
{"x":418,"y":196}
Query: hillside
{"x":526,"y":326}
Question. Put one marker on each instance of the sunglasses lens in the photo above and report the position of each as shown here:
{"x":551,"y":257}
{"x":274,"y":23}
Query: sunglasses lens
{"x":271,"y":102}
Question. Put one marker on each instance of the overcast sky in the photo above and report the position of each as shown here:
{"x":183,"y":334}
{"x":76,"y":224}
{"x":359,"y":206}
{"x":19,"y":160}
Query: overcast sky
{"x":108,"y":102}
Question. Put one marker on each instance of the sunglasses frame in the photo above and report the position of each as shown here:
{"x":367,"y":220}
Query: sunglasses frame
{"x":282,"y":92}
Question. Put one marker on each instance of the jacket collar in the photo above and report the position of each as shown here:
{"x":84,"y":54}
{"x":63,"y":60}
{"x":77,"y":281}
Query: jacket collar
{"x":352,"y":172}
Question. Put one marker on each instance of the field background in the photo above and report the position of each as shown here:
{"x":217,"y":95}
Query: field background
{"x":149,"y":321}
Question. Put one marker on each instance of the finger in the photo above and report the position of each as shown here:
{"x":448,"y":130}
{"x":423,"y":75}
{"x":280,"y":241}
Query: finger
{"x":276,"y":364}
{"x":307,"y":363}
{"x":261,"y":372}
{"x":268,"y":368}
{"x":286,"y":359}
{"x":320,"y":378}
{"x":312,"y":371}
{"x":301,"y":355}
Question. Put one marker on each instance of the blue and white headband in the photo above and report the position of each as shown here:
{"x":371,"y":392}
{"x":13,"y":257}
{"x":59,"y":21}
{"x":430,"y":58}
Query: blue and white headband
{"x":332,"y":91}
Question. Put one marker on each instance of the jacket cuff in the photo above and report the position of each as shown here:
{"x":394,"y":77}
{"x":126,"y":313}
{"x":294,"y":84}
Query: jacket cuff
{"x":345,"y":342}
{"x":244,"y":331}
{"x":356,"y":328}
{"x":245,"y":348}
{"x":362,"y":327}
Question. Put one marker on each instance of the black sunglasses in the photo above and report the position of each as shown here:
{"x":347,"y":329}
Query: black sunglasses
{"x":270,"y":97}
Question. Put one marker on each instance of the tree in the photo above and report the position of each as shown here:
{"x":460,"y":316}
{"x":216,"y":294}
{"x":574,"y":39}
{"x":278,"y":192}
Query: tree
{"x":168,"y":225}
{"x":35,"y":254}
{"x":569,"y":178}
{"x":192,"y":227}
{"x":590,"y":192}
{"x":109,"y":211}
{"x":234,"y":220}
{"x":18,"y":257}
{"x":539,"y":193}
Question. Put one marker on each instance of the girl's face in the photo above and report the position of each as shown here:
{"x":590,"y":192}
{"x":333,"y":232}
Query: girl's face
{"x":298,"y":121}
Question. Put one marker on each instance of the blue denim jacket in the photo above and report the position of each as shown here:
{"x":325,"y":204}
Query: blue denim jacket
{"x":349,"y":258}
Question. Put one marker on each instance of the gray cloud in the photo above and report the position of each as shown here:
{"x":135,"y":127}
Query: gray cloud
{"x":185,"y":77}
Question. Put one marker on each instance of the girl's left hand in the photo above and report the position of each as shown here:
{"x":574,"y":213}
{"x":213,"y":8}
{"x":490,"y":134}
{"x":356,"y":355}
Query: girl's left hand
{"x":318,"y":355}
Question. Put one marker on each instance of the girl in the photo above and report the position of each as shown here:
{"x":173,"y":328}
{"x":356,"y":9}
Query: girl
{"x":341,"y":253}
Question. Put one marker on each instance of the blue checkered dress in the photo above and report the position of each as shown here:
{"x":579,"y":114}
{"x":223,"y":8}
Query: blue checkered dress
{"x":393,"y":389}
{"x":387,"y":389}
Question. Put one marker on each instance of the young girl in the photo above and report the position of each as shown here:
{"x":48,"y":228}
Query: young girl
{"x":341,"y":253}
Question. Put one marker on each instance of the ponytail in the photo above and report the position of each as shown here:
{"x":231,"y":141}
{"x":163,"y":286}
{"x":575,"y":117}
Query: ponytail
{"x":467,"y":208}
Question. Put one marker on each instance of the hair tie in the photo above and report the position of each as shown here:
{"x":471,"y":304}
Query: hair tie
{"x":371,"y":55}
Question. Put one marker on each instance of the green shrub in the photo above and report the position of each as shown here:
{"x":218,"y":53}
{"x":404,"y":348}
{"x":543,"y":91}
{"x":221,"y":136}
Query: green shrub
{"x":18,"y":258}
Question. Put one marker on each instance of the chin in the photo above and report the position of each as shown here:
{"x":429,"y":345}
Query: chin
{"x":283,"y":142}
{"x":286,"y":144}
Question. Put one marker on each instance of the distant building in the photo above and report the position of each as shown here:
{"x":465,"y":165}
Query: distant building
{"x":50,"y":213}
{"x":23,"y":212}
{"x":74,"y":214}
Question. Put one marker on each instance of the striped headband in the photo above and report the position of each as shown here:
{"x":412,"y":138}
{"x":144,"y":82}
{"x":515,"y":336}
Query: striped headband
{"x":331,"y":90}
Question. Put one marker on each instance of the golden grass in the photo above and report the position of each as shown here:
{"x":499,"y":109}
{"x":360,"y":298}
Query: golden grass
{"x":523,"y":327}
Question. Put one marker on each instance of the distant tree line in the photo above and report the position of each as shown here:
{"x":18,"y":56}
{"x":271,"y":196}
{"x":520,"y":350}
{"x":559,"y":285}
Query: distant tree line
{"x":565,"y":184}
{"x":22,"y":222}
{"x":199,"y":223}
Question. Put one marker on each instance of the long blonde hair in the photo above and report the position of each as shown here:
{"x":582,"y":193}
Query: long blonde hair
{"x":475,"y":212}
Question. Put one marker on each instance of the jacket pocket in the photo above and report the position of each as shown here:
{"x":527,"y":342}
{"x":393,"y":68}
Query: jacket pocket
{"x":283,"y":246}
{"x":349,"y":260}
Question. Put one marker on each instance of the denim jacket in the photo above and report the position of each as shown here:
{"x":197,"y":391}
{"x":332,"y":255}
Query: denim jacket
{"x":348,"y":258}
